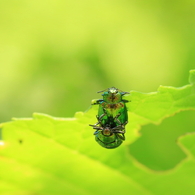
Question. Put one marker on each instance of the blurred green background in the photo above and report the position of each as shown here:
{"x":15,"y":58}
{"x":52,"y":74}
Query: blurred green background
{"x":55,"y":55}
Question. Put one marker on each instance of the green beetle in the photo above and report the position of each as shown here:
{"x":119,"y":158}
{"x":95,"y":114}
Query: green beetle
{"x":112,"y":118}
{"x":109,"y":137}
{"x":112,"y":108}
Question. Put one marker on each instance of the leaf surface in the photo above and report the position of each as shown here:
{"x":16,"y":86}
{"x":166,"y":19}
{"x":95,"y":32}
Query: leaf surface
{"x":48,"y":155}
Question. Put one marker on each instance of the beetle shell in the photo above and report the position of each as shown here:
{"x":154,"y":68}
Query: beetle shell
{"x":108,"y":139}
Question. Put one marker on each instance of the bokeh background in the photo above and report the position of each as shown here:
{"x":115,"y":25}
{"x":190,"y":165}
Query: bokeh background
{"x":55,"y":56}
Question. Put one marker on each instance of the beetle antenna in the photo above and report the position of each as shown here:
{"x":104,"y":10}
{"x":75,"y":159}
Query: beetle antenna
{"x":103,"y":90}
{"x":123,"y":92}
{"x":107,"y":89}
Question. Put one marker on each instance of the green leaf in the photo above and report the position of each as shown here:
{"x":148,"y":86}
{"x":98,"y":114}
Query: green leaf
{"x":192,"y":77}
{"x":47,"y":155}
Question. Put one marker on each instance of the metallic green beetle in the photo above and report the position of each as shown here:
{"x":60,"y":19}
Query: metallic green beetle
{"x":112,"y":118}
{"x":112,"y":108}
{"x":109,"y":138}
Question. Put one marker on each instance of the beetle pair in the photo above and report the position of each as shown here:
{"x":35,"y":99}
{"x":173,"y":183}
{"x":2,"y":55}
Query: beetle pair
{"x":112,"y":118}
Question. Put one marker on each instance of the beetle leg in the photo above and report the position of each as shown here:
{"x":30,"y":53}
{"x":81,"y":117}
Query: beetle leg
{"x":126,"y":101}
{"x":122,"y":132}
{"x":98,"y":120}
{"x":118,"y":121}
{"x":95,"y":102}
{"x":121,"y":136}
{"x":96,"y":127}
{"x":116,"y":118}
{"x":100,"y":117}
{"x":119,"y":129}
